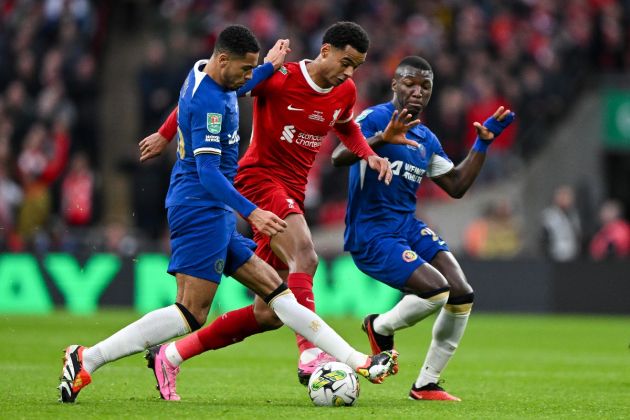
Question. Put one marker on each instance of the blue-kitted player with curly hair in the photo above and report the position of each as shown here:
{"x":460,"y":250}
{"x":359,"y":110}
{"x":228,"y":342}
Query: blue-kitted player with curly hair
{"x":387,"y":241}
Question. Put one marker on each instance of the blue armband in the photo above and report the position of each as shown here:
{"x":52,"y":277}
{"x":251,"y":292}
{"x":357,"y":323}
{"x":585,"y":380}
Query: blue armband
{"x":496,"y":127}
{"x":481,"y":146}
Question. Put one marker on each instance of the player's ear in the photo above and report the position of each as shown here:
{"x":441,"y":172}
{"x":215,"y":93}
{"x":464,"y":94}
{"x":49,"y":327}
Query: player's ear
{"x":394,"y":84}
{"x":324,"y":50}
{"x":223,"y":59}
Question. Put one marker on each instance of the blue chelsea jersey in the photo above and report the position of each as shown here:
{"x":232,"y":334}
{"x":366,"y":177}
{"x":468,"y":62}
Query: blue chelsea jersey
{"x":207,"y":123}
{"x":373,"y":206}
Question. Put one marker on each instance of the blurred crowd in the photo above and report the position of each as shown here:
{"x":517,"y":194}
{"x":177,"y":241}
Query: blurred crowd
{"x":530,"y":55}
{"x":49,"y":53}
{"x":564,"y":231}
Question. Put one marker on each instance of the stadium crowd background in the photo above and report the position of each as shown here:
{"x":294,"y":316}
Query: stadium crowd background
{"x":534,"y":56}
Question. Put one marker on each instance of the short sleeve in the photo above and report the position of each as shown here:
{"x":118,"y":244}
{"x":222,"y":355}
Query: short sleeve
{"x":348,"y":112}
{"x":207,"y":115}
{"x":440,"y":163}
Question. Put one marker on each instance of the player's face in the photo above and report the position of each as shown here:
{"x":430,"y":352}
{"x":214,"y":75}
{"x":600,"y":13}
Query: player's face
{"x":339,"y":64}
{"x":412,"y":88}
{"x":237,"y":70}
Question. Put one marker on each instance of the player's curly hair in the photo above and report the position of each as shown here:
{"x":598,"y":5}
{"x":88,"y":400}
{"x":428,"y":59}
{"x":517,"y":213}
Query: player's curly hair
{"x":237,"y":40}
{"x":347,"y":33}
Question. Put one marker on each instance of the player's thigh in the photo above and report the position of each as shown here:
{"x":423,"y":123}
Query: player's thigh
{"x":295,"y":242}
{"x":389,"y":260}
{"x":195,"y":293}
{"x":446,"y":264}
{"x":275,"y":197}
{"x":258,"y":276}
{"x":199,"y":245}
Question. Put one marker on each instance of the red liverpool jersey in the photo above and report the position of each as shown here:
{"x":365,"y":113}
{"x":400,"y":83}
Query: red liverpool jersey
{"x":292,"y":116}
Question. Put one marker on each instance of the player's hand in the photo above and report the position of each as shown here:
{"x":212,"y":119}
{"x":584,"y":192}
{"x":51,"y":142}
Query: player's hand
{"x":381,"y":166}
{"x":398,"y":126}
{"x":277,"y":54}
{"x":494,"y":125}
{"x":266,"y":222}
{"x":152,"y":146}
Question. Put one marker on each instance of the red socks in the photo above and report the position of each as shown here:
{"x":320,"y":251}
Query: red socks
{"x":301,"y":284}
{"x":227,"y":329}
{"x":237,"y":325}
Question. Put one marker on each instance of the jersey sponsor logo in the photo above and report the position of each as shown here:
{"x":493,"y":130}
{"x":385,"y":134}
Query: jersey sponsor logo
{"x":292,"y":108}
{"x":291,"y":203}
{"x":310,"y":141}
{"x":212,"y":138}
{"x":219,"y":265}
{"x":317,"y":116}
{"x":409,"y":256}
{"x":288,"y":131}
{"x":407,"y":170}
{"x":283,"y":70}
{"x":213,"y":122}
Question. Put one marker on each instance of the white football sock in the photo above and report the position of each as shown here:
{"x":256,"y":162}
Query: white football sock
{"x":153,"y":328}
{"x":409,"y":311}
{"x":172,"y":355}
{"x":306,"y":323}
{"x":448,"y":330}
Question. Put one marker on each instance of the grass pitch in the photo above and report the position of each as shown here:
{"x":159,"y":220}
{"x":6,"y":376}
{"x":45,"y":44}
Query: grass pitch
{"x":507,"y":367}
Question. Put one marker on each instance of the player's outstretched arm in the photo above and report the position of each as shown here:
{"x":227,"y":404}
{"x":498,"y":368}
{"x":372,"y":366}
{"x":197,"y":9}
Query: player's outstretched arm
{"x":457,"y":181}
{"x":394,"y":133}
{"x":278,"y":53}
{"x":382,"y":166}
{"x":154,"y":144}
{"x":273,"y":61}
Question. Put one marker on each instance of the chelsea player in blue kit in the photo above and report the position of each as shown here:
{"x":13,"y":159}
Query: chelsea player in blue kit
{"x":386,"y":240}
{"x":204,"y":240}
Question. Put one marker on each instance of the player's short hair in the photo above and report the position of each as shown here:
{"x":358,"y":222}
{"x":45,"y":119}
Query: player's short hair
{"x":347,"y":33}
{"x":415,"y":62}
{"x":237,"y":40}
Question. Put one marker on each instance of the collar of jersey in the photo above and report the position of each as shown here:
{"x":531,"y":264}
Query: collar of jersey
{"x":310,"y":81}
{"x":202,"y":75}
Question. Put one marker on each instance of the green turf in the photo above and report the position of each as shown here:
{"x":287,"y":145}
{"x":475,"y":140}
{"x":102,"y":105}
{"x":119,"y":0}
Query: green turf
{"x":507,"y":367}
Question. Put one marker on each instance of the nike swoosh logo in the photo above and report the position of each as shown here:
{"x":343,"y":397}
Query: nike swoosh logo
{"x":291,"y":108}
{"x":310,"y":300}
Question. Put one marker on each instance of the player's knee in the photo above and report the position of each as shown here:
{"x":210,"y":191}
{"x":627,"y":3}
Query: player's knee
{"x":194,"y":319}
{"x":437,"y":298}
{"x":306,"y":259}
{"x":460,"y":304}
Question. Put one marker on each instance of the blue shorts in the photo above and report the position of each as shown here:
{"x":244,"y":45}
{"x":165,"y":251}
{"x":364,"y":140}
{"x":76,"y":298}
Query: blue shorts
{"x":205,"y":243}
{"x":391,"y":259}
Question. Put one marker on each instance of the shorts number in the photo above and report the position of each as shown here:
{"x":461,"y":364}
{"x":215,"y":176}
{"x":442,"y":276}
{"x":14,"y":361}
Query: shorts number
{"x":428,"y":232}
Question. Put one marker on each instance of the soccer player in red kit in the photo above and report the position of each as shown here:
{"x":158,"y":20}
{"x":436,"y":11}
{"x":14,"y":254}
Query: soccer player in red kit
{"x":294,"y":110}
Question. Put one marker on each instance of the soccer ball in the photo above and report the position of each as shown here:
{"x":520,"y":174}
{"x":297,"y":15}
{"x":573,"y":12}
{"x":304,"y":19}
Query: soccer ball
{"x":333,"y":384}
